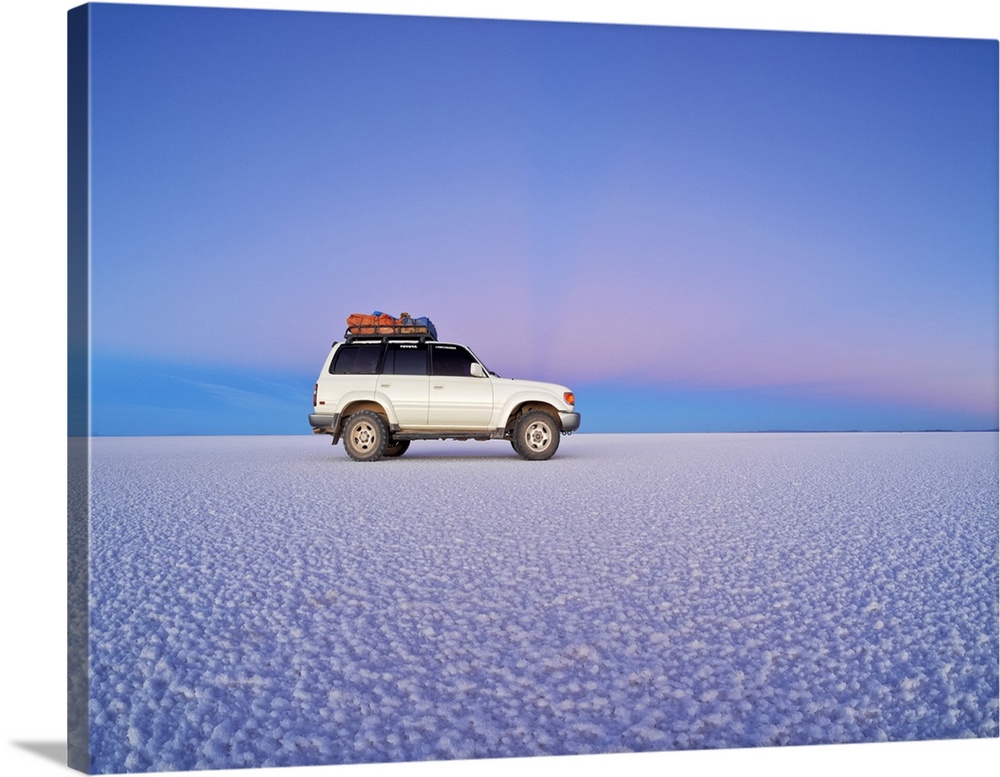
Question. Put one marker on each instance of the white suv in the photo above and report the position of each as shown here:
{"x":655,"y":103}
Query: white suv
{"x":379,"y":392}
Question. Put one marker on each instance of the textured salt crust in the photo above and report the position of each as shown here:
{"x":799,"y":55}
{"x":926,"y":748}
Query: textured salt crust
{"x":265,"y":601}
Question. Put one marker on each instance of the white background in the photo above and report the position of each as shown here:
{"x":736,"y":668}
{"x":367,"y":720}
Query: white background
{"x":33,"y":289}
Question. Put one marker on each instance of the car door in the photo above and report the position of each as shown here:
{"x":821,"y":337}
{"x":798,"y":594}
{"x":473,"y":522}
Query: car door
{"x":458,"y":401}
{"x":404,"y":380}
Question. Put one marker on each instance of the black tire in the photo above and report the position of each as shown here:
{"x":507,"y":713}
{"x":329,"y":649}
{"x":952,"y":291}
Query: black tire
{"x":536,"y":436}
{"x":395,"y":448}
{"x":365,"y":436}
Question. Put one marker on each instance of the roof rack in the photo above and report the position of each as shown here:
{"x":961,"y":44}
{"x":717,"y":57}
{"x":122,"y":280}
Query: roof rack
{"x":386,"y":332}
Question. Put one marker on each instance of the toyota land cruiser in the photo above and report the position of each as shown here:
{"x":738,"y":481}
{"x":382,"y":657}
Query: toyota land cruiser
{"x":380,"y":392}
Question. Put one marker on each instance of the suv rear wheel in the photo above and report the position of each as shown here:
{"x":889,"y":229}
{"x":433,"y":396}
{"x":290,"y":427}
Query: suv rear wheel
{"x":365,"y":436}
{"x":396,"y":448}
{"x":536,"y":436}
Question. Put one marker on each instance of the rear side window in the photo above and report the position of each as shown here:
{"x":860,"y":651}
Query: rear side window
{"x":356,"y":360}
{"x":452,"y":360}
{"x":405,"y":359}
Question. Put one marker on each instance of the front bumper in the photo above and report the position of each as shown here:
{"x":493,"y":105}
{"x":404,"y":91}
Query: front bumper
{"x":570,"y":422}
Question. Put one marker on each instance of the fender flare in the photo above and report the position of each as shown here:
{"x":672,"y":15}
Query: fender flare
{"x":522,"y":398}
{"x":366,"y":397}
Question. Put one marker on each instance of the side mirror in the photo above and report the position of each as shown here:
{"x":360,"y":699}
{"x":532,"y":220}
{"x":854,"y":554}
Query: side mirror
{"x":477,"y":371}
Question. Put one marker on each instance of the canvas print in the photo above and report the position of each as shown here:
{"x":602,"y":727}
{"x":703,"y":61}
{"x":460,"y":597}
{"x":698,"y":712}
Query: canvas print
{"x":454,"y":388}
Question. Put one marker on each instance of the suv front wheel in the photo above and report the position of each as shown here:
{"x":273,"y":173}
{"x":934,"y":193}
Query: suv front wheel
{"x":536,"y":436}
{"x":365,"y":436}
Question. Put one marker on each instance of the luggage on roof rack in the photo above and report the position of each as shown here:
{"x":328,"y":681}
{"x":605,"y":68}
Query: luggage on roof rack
{"x":379,"y":323}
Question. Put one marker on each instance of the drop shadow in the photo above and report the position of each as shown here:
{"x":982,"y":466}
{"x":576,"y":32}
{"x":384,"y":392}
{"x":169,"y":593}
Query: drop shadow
{"x":51,"y":751}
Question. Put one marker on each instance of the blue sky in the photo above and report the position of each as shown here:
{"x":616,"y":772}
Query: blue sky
{"x":697,"y":230}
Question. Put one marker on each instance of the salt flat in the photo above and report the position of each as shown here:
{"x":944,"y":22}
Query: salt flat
{"x":268,"y":601}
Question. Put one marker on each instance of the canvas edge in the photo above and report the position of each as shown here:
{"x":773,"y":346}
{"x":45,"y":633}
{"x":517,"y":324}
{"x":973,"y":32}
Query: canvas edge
{"x":78,"y":386}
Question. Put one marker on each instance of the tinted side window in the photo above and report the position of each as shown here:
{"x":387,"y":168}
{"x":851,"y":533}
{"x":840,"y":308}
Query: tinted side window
{"x":452,"y":360}
{"x":405,"y":359}
{"x":356,"y":360}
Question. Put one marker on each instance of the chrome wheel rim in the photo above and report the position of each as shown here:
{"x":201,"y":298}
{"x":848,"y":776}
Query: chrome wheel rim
{"x":538,"y":436}
{"x":363,"y":436}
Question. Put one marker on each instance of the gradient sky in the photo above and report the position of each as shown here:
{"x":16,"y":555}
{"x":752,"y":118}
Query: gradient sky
{"x":697,"y":230}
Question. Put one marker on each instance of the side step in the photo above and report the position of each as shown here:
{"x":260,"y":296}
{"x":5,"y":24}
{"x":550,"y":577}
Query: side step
{"x":481,"y":436}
